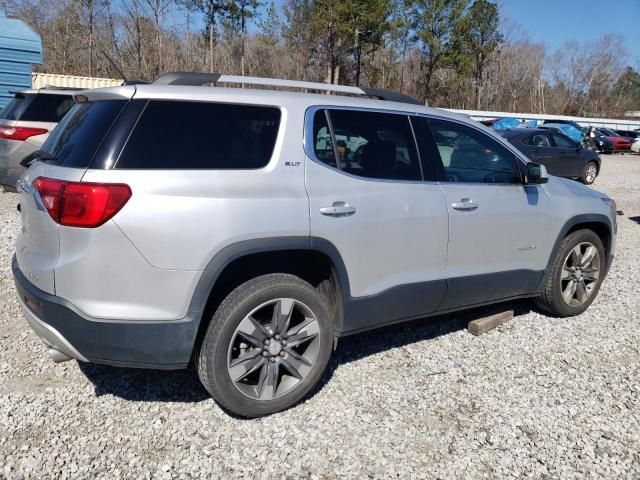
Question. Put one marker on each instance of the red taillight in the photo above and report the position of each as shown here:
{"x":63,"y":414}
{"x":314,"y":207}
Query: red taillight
{"x":20,"y":133}
{"x":81,"y":204}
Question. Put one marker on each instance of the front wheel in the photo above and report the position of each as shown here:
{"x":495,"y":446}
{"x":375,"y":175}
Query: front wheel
{"x":266,"y":346}
{"x":589,"y":173}
{"x":575,"y":278}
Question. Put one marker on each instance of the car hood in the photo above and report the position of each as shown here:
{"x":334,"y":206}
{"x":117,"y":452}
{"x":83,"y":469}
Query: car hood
{"x":572,"y":187}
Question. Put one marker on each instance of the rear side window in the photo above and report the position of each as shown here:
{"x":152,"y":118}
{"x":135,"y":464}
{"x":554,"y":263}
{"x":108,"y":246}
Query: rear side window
{"x":74,"y":141}
{"x":367,"y":144}
{"x":194,"y":135}
{"x":40,"y":107}
{"x":537,"y":140}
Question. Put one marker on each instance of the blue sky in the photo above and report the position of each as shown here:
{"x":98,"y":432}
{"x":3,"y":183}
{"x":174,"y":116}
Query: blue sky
{"x":555,"y":22}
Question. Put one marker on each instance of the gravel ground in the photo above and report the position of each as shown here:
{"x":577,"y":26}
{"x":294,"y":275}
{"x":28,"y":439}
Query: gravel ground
{"x":538,"y":397}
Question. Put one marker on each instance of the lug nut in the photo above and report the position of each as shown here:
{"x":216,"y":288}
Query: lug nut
{"x":265,"y":354}
{"x":283,"y":342}
{"x":277,"y":337}
{"x":272,"y":359}
{"x":267,"y":341}
{"x":282,"y":353}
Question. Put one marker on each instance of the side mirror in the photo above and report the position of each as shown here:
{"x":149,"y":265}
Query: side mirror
{"x":535,"y":174}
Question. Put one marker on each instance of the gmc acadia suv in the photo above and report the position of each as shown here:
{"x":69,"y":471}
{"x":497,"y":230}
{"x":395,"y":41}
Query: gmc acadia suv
{"x":246,"y":229}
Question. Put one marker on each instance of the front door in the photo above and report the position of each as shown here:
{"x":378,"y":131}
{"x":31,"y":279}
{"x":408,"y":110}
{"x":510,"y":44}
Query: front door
{"x":569,"y":163}
{"x":498,"y":227}
{"x":368,"y":198}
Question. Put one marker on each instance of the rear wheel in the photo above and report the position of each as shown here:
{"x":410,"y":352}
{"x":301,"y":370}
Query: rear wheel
{"x":266,"y":346}
{"x":576,"y":276}
{"x":589,"y":173}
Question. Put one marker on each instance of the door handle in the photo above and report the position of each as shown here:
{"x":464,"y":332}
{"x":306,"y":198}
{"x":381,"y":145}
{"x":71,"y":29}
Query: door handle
{"x":465,"y":204}
{"x":338,"y":209}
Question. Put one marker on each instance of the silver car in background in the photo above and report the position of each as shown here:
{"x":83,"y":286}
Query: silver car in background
{"x":25,"y":123}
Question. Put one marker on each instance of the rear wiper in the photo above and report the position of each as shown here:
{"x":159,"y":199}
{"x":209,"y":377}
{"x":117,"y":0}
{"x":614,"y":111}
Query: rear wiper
{"x":35,"y":156}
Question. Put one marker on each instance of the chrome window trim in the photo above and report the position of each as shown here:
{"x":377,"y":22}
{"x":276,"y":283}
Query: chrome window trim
{"x":307,"y":143}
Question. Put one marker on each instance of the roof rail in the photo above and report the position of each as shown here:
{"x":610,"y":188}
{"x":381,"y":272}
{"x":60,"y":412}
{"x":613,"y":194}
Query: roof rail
{"x":197,"y":79}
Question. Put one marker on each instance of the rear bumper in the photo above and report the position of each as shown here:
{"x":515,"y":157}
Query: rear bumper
{"x":143,"y":344}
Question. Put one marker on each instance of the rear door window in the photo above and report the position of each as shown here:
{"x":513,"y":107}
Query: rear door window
{"x":368,"y":144}
{"x":74,"y":141}
{"x":40,"y":107}
{"x":198,"y":135}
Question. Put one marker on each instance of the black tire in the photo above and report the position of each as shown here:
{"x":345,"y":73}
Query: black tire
{"x":585,"y":177}
{"x":551,"y":301}
{"x":215,"y":350}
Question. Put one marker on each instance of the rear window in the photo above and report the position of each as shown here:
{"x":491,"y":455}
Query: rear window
{"x":74,"y":141}
{"x":40,"y":107}
{"x":194,"y":135}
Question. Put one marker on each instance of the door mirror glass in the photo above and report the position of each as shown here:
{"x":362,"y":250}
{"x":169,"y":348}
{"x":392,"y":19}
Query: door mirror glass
{"x":535,"y":174}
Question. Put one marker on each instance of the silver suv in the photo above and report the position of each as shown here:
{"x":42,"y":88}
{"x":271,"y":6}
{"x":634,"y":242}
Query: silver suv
{"x":244,"y":230}
{"x":25,"y":124}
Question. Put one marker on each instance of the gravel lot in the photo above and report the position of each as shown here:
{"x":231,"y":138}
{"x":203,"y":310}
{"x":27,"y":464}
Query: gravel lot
{"x":538,"y":397}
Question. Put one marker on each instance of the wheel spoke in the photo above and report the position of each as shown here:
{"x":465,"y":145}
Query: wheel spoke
{"x":588,"y":256}
{"x":243,"y":366}
{"x":293,"y":365}
{"x":569,"y":290}
{"x":576,"y":255}
{"x":282,"y":312}
{"x":581,"y":292}
{"x":250,"y":329}
{"x":591,"y":275}
{"x":268,"y":381}
{"x":566,"y":273}
{"x":303,"y":332}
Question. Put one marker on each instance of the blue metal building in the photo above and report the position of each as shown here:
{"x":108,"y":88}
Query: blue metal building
{"x":20,"y":48}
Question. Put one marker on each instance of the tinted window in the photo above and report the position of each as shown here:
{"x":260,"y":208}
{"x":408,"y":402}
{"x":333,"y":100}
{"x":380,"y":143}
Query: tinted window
{"x":561,"y":141}
{"x":471,"y":156}
{"x":76,"y":138}
{"x":537,"y":140}
{"x":39,"y":107}
{"x":193,"y":135}
{"x":368,"y":144}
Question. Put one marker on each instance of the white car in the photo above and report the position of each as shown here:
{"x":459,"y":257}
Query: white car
{"x":635,"y":146}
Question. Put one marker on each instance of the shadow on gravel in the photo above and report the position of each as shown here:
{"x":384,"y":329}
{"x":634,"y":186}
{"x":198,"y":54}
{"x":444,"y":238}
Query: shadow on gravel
{"x":635,"y":219}
{"x":356,"y":347}
{"x":142,"y":385}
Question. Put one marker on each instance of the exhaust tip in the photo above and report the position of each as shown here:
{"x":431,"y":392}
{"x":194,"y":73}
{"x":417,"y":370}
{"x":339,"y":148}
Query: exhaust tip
{"x":57,"y":356}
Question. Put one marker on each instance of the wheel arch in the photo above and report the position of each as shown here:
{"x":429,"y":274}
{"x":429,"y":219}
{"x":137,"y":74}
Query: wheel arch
{"x":312,"y":259}
{"x":598,"y":223}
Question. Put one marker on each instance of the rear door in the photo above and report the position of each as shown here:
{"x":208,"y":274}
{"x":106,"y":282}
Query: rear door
{"x":498,"y":227}
{"x":368,"y":198}
{"x":72,"y":146}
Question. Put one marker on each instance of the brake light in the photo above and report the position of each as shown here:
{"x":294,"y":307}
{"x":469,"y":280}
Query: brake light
{"x":20,"y":133}
{"x":81,"y":204}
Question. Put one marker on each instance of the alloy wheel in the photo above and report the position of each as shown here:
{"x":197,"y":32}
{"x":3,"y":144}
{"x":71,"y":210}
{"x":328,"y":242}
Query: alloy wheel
{"x":580,"y":274}
{"x":591,"y":173}
{"x":273,"y":349}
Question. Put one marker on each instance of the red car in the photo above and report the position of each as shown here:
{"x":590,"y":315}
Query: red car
{"x":619,"y":143}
